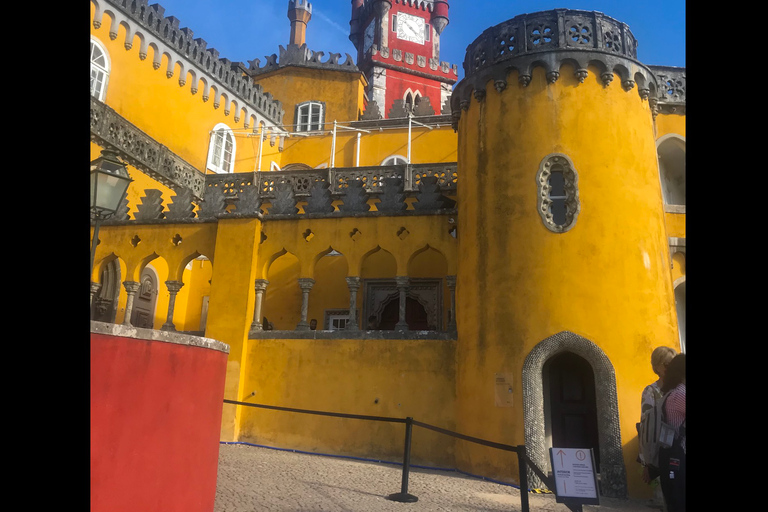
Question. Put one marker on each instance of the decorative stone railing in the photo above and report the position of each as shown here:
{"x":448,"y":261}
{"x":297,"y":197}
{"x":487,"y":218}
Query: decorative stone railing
{"x":547,"y":31}
{"x":336,"y":192}
{"x":227,"y":74}
{"x":109,"y":129}
{"x":550,"y":39}
{"x":671,"y":94}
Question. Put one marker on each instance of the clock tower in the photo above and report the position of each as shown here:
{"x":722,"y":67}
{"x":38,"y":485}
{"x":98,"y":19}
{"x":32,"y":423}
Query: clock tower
{"x":398,"y":49}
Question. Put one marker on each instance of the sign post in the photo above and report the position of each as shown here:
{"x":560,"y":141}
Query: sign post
{"x":575,"y":477}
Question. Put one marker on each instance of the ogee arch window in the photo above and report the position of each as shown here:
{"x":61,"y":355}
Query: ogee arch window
{"x":221,"y":152}
{"x":99,"y":69}
{"x":558,"y":200}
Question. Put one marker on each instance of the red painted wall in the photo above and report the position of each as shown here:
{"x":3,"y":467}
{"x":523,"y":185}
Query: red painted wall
{"x":155,"y":424}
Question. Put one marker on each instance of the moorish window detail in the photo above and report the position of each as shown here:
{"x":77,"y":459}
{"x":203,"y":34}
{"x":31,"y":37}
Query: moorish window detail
{"x":558,"y":200}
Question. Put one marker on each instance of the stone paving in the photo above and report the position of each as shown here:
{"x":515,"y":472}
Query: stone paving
{"x":252,"y":478}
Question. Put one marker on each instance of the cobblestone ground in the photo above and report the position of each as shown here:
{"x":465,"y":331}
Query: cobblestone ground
{"x":259,"y":479}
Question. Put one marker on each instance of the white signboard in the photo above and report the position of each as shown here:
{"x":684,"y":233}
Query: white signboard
{"x":574,"y":472}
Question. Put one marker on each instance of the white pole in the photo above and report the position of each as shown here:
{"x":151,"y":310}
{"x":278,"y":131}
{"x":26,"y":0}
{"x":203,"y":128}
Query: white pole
{"x":409,"y":137}
{"x":261,"y":145}
{"x":333,"y":146}
{"x":357,"y":157}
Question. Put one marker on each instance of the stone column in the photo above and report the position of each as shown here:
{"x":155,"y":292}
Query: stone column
{"x":95,"y":287}
{"x":451,"y":282}
{"x":305,"y":283}
{"x":402,"y":287}
{"x":354,"y":284}
{"x":173,"y":288}
{"x":131,"y":287}
{"x":260,"y":286}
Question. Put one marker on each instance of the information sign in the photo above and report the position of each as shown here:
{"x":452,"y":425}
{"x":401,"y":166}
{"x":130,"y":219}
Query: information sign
{"x":575,"y":476}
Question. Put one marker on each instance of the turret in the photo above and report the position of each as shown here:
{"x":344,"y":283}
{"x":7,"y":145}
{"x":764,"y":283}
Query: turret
{"x":299,"y":12}
{"x":440,"y":15}
{"x":354,"y":23}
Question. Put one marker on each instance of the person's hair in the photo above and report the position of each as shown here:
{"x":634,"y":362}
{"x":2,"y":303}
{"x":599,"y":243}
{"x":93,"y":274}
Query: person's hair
{"x":660,"y":356}
{"x":675,"y":373}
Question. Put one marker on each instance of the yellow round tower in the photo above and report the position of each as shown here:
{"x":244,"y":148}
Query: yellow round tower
{"x":564,"y":284}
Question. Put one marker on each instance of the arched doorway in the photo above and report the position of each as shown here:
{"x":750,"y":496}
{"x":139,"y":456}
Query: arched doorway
{"x":145,"y":302}
{"x":104,"y":307}
{"x":538,"y":416}
{"x":415,"y":315}
{"x":571,"y":404}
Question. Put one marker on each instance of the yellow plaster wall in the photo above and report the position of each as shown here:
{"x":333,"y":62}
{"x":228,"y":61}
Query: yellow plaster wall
{"x":607,"y":279}
{"x":232,"y":297}
{"x":168,"y":112}
{"x":390,"y":378}
{"x":341,"y":91}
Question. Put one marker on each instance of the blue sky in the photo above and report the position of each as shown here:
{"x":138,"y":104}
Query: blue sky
{"x":242,"y":30}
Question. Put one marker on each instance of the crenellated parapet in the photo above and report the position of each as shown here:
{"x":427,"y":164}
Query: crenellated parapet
{"x":550,"y":39}
{"x":295,"y":55}
{"x":219,"y":76}
{"x":416,"y":64}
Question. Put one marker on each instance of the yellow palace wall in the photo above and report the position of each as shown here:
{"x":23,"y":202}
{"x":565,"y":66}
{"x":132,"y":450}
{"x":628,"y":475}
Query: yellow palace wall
{"x":507,"y":290}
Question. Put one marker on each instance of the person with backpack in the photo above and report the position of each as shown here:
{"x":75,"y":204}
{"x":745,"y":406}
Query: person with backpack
{"x":672,"y":454}
{"x":649,"y":426}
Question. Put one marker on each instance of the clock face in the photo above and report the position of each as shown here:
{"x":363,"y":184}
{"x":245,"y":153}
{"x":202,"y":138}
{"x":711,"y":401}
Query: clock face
{"x":368,"y":36}
{"x":410,"y":28}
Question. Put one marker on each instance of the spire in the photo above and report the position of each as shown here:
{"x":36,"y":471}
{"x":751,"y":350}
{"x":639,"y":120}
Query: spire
{"x":299,"y":12}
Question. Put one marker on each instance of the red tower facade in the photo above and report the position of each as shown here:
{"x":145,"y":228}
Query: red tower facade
{"x":398,"y":45}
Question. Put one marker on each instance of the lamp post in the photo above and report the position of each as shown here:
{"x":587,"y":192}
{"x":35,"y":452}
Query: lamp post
{"x":109,"y":184}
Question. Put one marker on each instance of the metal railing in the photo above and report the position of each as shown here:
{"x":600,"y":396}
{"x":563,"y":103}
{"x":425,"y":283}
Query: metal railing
{"x":524,"y":463}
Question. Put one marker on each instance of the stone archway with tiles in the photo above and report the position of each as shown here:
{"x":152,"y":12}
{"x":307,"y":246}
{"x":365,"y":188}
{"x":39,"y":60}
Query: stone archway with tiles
{"x":613,"y":479}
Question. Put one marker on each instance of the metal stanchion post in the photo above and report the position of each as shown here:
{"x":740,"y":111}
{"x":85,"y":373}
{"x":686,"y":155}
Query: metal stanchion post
{"x":403,"y":496}
{"x":523,"y":469}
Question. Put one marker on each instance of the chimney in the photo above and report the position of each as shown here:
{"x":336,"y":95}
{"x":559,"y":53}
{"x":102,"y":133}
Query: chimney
{"x":299,"y":12}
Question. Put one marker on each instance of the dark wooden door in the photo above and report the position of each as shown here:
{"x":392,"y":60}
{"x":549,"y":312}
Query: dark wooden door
{"x":573,"y":410}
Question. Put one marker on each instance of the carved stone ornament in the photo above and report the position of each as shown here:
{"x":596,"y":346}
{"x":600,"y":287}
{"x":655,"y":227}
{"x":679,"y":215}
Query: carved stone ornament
{"x":561,"y":163}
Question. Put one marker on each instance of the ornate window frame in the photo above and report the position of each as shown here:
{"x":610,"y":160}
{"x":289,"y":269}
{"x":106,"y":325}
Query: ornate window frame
{"x":218,"y":161}
{"x":558,"y":162}
{"x":100,"y":66}
{"x":308,"y":109}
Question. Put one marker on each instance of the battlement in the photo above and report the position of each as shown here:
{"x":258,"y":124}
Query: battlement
{"x":413,"y":62}
{"x":164,"y":32}
{"x":296,"y":55}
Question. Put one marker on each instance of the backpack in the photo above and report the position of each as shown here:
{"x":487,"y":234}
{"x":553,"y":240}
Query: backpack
{"x":650,"y":429}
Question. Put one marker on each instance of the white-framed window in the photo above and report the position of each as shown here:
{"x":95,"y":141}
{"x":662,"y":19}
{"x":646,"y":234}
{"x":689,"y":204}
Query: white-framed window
{"x":310,"y":116}
{"x":336,"y":319}
{"x":221,"y":151}
{"x":395,"y":160}
{"x":99,"y":69}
